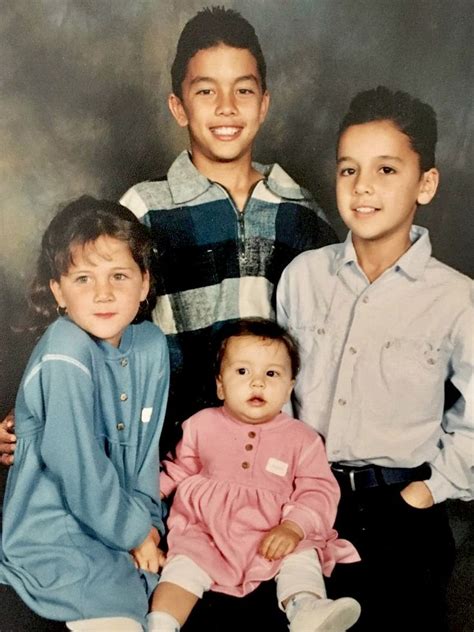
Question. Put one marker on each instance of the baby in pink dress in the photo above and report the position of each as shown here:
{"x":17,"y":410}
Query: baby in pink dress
{"x":255,"y":497}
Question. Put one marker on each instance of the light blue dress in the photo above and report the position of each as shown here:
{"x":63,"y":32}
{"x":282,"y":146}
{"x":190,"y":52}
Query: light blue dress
{"x":83,"y":490}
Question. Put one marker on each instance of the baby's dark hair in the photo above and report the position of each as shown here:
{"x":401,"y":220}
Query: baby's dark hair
{"x":412,"y":117}
{"x":81,"y":222}
{"x":260,"y":328}
{"x":211,"y":27}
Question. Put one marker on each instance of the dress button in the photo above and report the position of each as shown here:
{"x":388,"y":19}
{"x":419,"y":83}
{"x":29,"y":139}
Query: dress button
{"x":249,"y":447}
{"x":365,"y":299}
{"x":120,"y":426}
{"x":245,"y":465}
{"x":123,"y":397}
{"x":352,"y":350}
{"x":321,"y":331}
{"x":252,"y":434}
{"x":341,"y":402}
{"x":388,"y":344}
{"x":123,"y":362}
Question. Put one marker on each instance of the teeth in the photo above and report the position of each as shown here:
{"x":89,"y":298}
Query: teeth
{"x":225,"y":131}
{"x":365,"y":209}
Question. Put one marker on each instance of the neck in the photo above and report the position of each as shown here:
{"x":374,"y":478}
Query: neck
{"x":237,"y":176}
{"x":374,"y":257}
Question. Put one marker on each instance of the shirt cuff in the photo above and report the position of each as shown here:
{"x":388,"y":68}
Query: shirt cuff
{"x":304,"y":518}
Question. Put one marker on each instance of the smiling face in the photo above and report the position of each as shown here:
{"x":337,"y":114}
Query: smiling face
{"x":222,"y":104}
{"x":102,"y":288}
{"x":255,"y":378}
{"x":379,"y":182}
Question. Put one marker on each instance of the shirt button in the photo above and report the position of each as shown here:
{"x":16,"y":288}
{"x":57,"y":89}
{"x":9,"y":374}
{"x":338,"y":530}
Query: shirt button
{"x":321,"y":331}
{"x":341,"y":402}
{"x":365,"y":299}
{"x":123,"y":362}
{"x":249,"y":447}
{"x":352,"y":350}
{"x":252,"y":434}
{"x":245,"y":465}
{"x":120,"y":426}
{"x":123,"y":397}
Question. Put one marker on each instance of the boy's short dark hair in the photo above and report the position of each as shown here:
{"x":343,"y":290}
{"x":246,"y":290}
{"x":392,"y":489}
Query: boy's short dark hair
{"x":211,"y":27}
{"x":260,"y":328}
{"x":415,"y":119}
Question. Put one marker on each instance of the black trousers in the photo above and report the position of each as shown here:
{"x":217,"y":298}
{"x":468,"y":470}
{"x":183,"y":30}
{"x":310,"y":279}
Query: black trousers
{"x":407,"y":559}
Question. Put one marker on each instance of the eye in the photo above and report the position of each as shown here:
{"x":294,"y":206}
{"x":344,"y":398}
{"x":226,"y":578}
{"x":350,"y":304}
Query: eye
{"x":272,"y":373}
{"x":120,"y":276}
{"x":204,"y":91}
{"x":347,"y":171}
{"x":242,"y":371}
{"x":245,"y":91}
{"x":387,"y":170}
{"x":80,"y":280}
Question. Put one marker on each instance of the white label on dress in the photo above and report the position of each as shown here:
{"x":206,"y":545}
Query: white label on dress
{"x":146,"y":415}
{"x":277,"y":467}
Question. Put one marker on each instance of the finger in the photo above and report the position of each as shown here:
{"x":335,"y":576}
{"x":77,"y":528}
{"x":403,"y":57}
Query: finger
{"x":6,"y":459}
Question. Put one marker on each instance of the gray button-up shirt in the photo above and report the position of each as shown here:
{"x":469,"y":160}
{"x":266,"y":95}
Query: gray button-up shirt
{"x":375,"y":357}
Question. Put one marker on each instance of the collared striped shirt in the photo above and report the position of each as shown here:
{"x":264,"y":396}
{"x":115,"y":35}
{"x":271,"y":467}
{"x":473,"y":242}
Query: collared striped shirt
{"x":215,"y":263}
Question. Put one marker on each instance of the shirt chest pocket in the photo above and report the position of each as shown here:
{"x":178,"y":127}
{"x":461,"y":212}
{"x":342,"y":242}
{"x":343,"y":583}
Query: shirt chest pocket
{"x":419,"y":362}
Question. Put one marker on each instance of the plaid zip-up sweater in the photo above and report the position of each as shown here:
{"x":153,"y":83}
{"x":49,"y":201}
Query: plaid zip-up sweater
{"x":215,"y":264}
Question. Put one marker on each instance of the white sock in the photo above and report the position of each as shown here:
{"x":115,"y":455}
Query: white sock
{"x":301,"y":599}
{"x":162,"y":622}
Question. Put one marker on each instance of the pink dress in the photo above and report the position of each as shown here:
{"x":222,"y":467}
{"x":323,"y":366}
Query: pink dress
{"x":236,"y":481}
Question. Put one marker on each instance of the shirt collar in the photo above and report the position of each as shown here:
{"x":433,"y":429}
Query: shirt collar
{"x":187,"y":183}
{"x":412,"y":263}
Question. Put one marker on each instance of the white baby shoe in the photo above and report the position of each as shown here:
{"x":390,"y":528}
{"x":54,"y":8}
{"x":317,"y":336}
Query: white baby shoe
{"x":326,"y":615}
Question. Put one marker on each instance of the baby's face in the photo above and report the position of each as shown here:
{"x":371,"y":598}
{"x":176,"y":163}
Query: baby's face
{"x":255,"y":379}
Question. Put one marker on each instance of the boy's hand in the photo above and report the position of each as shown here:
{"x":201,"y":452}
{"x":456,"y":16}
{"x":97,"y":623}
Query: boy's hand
{"x":7,"y":439}
{"x":418,"y":495}
{"x":281,"y":540}
{"x":147,"y":555}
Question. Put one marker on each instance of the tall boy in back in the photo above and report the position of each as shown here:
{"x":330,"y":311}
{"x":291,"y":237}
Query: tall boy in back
{"x":382,"y":325}
{"x":224,"y":227}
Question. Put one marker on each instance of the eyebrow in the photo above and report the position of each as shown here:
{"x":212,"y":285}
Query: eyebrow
{"x":198,"y":79}
{"x":383,"y":157}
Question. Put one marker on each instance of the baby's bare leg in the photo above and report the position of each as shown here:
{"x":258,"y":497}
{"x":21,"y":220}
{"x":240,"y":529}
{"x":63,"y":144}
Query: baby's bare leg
{"x":173,"y":600}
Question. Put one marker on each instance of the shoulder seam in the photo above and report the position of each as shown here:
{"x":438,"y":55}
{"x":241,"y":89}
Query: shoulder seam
{"x":51,"y":357}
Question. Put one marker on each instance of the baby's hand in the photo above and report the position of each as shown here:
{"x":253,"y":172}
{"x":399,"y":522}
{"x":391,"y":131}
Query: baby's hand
{"x":147,"y":555}
{"x":281,"y":540}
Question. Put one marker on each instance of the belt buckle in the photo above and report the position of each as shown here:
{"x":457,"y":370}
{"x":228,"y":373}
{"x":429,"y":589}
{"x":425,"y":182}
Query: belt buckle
{"x":352,"y":479}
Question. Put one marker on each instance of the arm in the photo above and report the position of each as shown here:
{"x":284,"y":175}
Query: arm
{"x":313,"y":502}
{"x":76,"y":458}
{"x":7,"y":439}
{"x":451,"y":469}
{"x":185,"y":464}
{"x":146,"y":485}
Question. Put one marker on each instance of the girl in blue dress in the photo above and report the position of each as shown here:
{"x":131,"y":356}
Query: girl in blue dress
{"x":82,"y":517}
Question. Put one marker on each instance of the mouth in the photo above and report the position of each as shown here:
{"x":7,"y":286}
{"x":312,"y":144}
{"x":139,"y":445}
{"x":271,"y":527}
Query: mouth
{"x":105,"y":315}
{"x":226,"y":132}
{"x":256,"y":400}
{"x":365,"y":210}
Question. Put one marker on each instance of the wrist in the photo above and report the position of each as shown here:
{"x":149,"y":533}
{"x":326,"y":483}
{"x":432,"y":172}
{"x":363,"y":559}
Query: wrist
{"x":294,"y":527}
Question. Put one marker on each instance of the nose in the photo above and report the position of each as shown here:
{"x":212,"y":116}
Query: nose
{"x":363,"y":184}
{"x":257,"y":381}
{"x":226,"y":103}
{"x":103,"y":291}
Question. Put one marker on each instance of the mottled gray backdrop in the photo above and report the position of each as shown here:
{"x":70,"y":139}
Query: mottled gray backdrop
{"x":83,"y":109}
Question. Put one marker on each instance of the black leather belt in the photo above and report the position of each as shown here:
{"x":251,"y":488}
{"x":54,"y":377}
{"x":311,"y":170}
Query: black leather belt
{"x":368,"y":476}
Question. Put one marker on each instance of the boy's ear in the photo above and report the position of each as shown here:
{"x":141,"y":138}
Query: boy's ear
{"x":56,"y":290}
{"x":177,"y":110}
{"x":265,"y":104}
{"x":429,"y":185}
